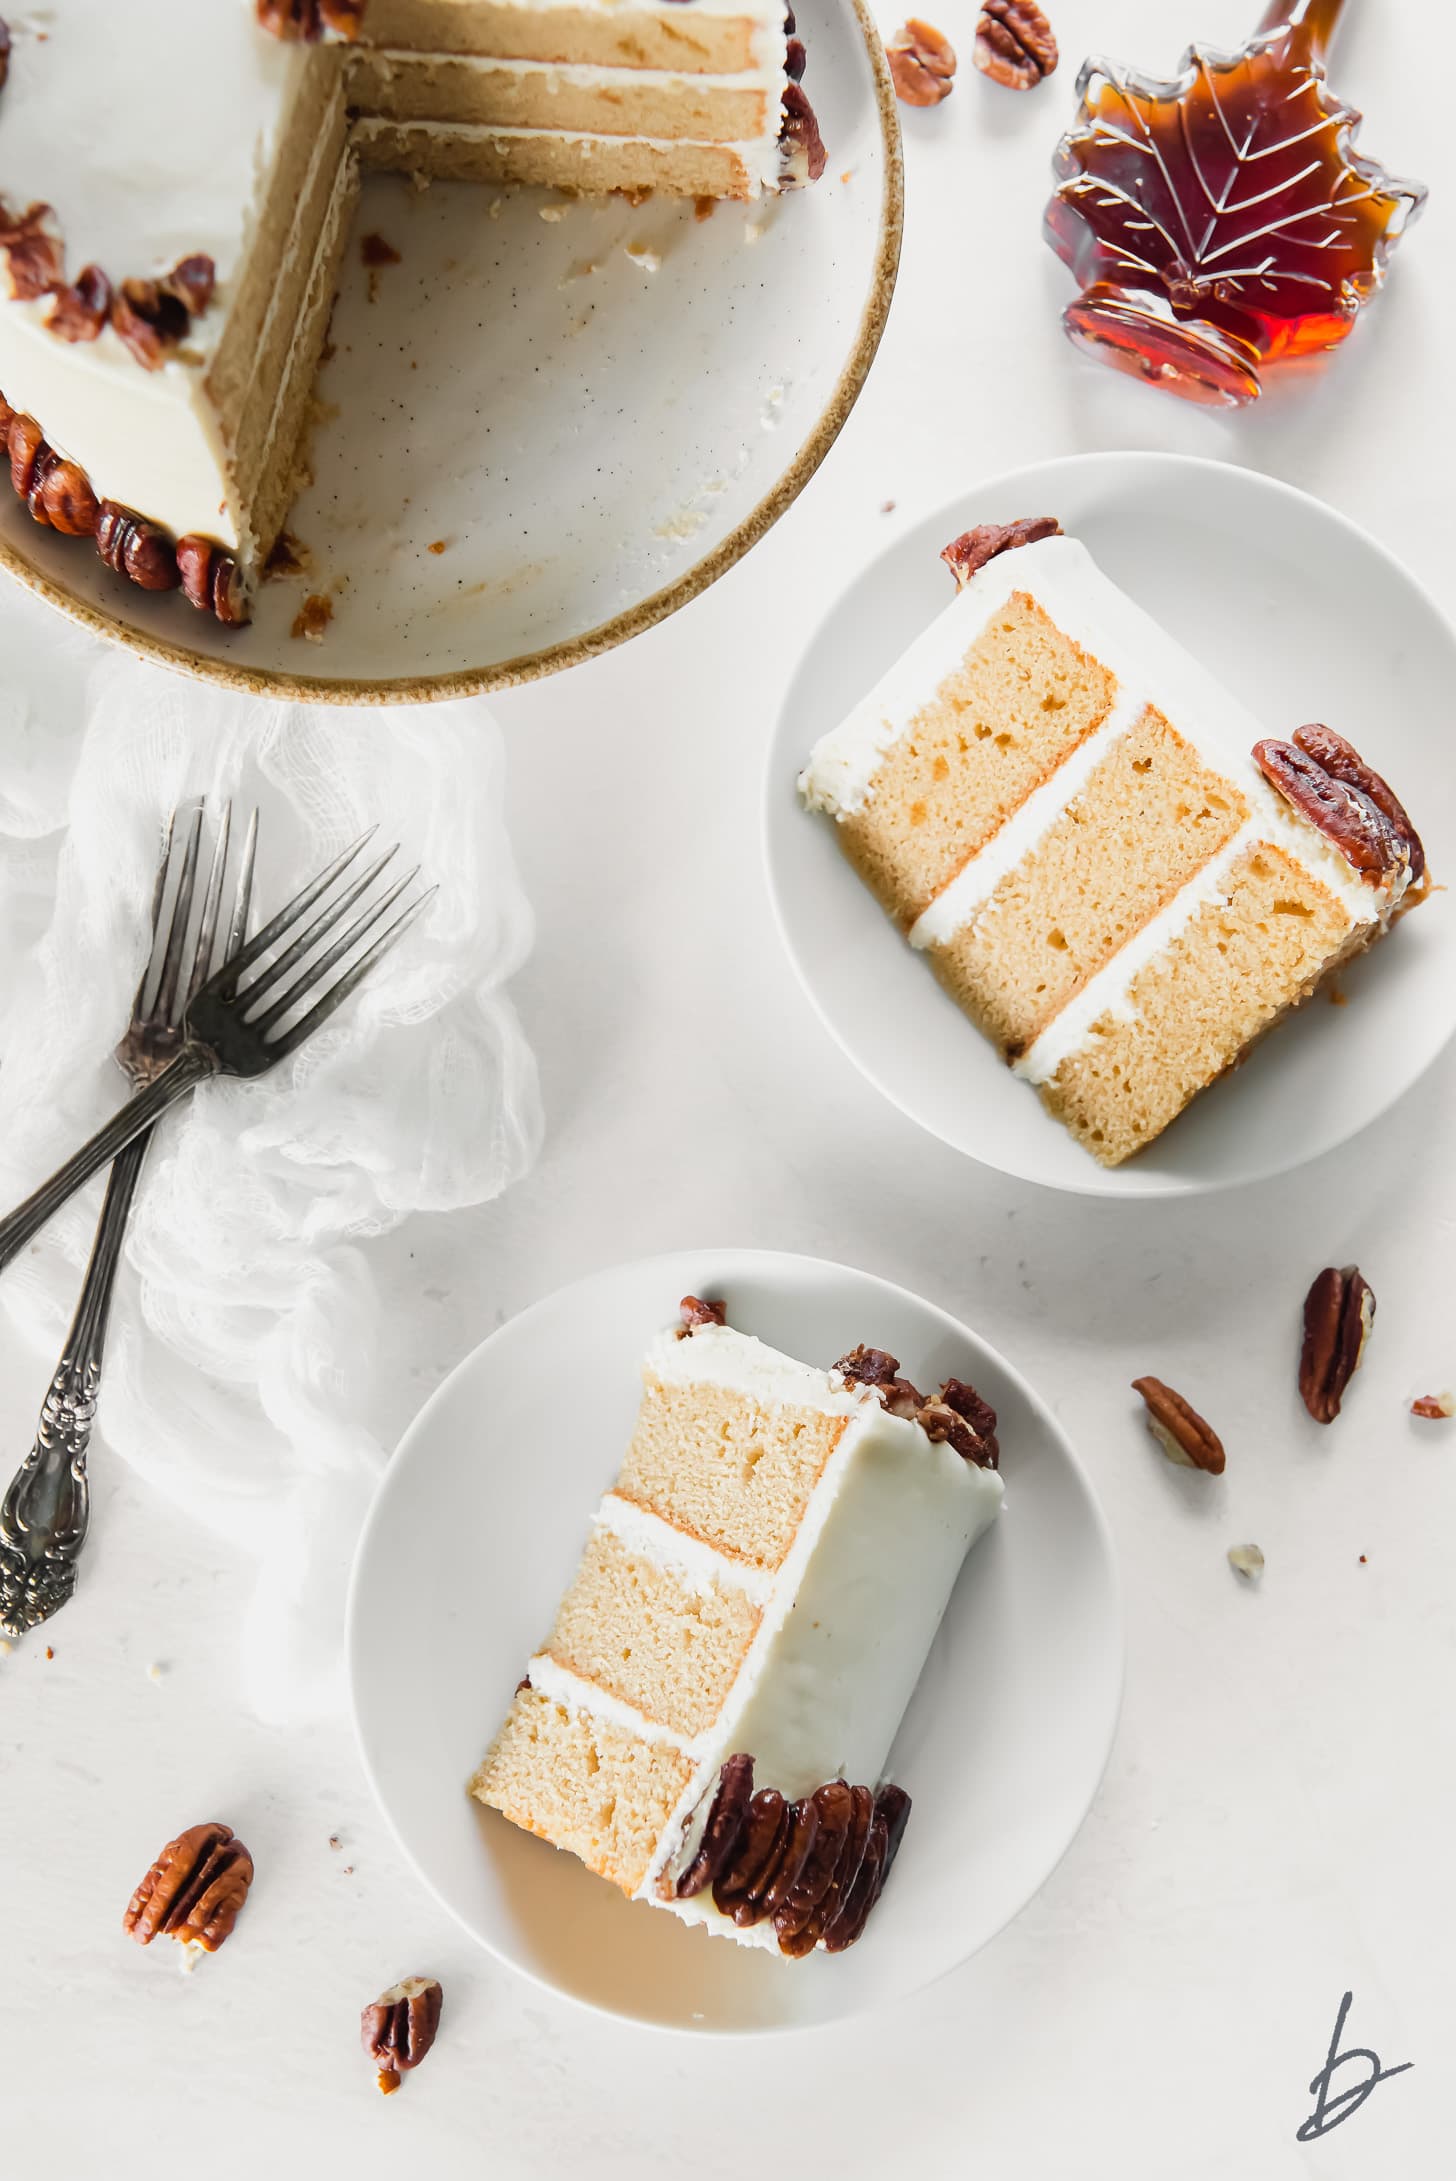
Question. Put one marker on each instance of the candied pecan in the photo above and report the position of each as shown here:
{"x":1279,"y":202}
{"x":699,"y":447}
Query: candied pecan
{"x":725,"y":1821}
{"x":834,"y":1803}
{"x":979,"y":1416}
{"x":4,"y":52}
{"x":1015,"y":45}
{"x":846,"y":1870}
{"x":136,"y":548}
{"x":695,"y":1312}
{"x":754,"y":1860}
{"x":1435,"y":1407}
{"x":922,"y":64}
{"x":307,"y":20}
{"x":802,"y":156}
{"x":399,"y":2029}
{"x":803,"y":1831}
{"x":795,"y":60}
{"x":192,"y":281}
{"x":194,"y":1890}
{"x":1338,"y":1313}
{"x":150,"y":320}
{"x":211,"y":580}
{"x":7,"y":418}
{"x":1179,"y":1429}
{"x":893,"y":1805}
{"x":973,"y":548}
{"x":80,"y":311}
{"x":1343,"y":762}
{"x":28,"y":451}
{"x":849,"y":1920}
{"x":872,"y":1367}
{"x":64,"y":500}
{"x":32,"y":250}
{"x":1349,"y":820}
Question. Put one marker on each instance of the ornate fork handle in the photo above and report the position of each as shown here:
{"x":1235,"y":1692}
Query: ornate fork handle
{"x":193,"y":1065}
{"x":44,"y":1515}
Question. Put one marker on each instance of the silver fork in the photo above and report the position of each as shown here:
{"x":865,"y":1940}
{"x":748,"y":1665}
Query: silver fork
{"x":45,"y":1512}
{"x":231,"y":1028}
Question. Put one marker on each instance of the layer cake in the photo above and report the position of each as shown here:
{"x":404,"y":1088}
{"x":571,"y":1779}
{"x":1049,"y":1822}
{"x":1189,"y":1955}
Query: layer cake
{"x":708,"y":1722}
{"x":1112,"y":870}
{"x":177,"y":184}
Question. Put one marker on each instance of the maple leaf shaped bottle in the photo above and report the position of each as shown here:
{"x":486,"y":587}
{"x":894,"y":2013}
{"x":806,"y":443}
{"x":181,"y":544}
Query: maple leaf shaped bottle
{"x":1222,"y":221}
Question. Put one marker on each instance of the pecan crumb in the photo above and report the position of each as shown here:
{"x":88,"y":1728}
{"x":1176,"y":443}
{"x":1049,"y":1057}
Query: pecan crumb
{"x":1338,"y":1313}
{"x":922,"y":64}
{"x":1434,"y":1406}
{"x":437,"y":546}
{"x":1015,"y":45}
{"x":313,"y":617}
{"x":375,"y":250}
{"x":969,"y":553}
{"x":1179,"y":1429}
{"x":1248,"y":1561}
{"x":704,"y":207}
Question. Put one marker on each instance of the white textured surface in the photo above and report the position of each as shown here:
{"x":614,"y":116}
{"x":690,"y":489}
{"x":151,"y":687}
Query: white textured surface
{"x":1275,"y":1827}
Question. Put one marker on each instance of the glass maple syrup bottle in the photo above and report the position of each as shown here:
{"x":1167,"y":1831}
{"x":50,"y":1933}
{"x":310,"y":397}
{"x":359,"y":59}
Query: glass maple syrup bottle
{"x":1222,"y":221}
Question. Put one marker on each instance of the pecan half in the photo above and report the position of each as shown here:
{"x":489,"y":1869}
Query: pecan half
{"x":136,"y":548}
{"x":834,"y":1803}
{"x":968,"y":553}
{"x":80,"y":311}
{"x":848,"y":1922}
{"x":192,"y":281}
{"x":802,"y":157}
{"x":980,"y":1419}
{"x":309,"y":20}
{"x":1347,"y":817}
{"x":211,"y":580}
{"x":150,"y":319}
{"x":65,"y":501}
{"x":29,"y":454}
{"x":32,"y":247}
{"x":755,"y":1859}
{"x":873,"y":1367}
{"x":922,"y":64}
{"x":399,"y":2029}
{"x":893,"y":1805}
{"x":847,"y":1868}
{"x":1435,"y":1407}
{"x":194,"y":1890}
{"x":795,"y":60}
{"x":1342,"y":761}
{"x":1015,"y":45}
{"x":1179,"y":1429}
{"x":799,"y":1845}
{"x":720,"y":1834}
{"x":1339,"y":1311}
{"x":695,"y":1312}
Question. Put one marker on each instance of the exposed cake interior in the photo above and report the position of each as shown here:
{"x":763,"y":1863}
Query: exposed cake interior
{"x":1064,"y":811}
{"x":159,"y":137}
{"x":765,"y":1576}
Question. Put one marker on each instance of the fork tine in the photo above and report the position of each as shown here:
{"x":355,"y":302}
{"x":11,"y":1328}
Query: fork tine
{"x":288,"y":916}
{"x":159,"y":887}
{"x":211,"y":904}
{"x":340,"y":990}
{"x":312,"y":977}
{"x":164,"y":1007}
{"x":271,"y":975}
{"x":237,"y":930}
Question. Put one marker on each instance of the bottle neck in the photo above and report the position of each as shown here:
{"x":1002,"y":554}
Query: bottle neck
{"x":1318,"y":17}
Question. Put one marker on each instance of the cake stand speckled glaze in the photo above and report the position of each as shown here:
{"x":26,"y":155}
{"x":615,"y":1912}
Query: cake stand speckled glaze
{"x":552,"y":422}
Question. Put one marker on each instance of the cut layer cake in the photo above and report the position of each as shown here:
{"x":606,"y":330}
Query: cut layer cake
{"x":1109,"y":866}
{"x":177,"y":184}
{"x":708,"y":1722}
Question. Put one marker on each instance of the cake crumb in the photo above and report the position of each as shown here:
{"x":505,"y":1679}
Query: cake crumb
{"x":376,"y":253}
{"x":685,"y":525}
{"x":493,"y":210}
{"x":846,"y":174}
{"x":582,"y":270}
{"x":1246,"y":1560}
{"x":189,"y":1954}
{"x":334,"y":1841}
{"x":553,"y":211}
{"x":704,"y":207}
{"x":313,"y":617}
{"x":6,"y":1647}
{"x":436,"y":545}
{"x":634,"y":197}
{"x":49,"y":1652}
{"x":348,"y":1870}
{"x":643,"y":254}
{"x":156,"y":1671}
{"x":887,"y":507}
{"x":288,"y":557}
{"x":1336,"y":996}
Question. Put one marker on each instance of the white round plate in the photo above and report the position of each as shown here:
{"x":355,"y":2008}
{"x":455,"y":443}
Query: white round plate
{"x":474,"y":1535}
{"x":592,"y":408}
{"x":1304,"y":617}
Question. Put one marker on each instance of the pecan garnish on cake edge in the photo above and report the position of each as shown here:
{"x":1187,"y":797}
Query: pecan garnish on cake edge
{"x":966,"y":555}
{"x":306,"y":21}
{"x":1327,"y":783}
{"x":956,"y":1414}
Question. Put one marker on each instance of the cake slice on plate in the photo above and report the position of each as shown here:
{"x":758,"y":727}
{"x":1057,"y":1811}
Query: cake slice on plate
{"x":708,"y":1722}
{"x":1107,"y":864}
